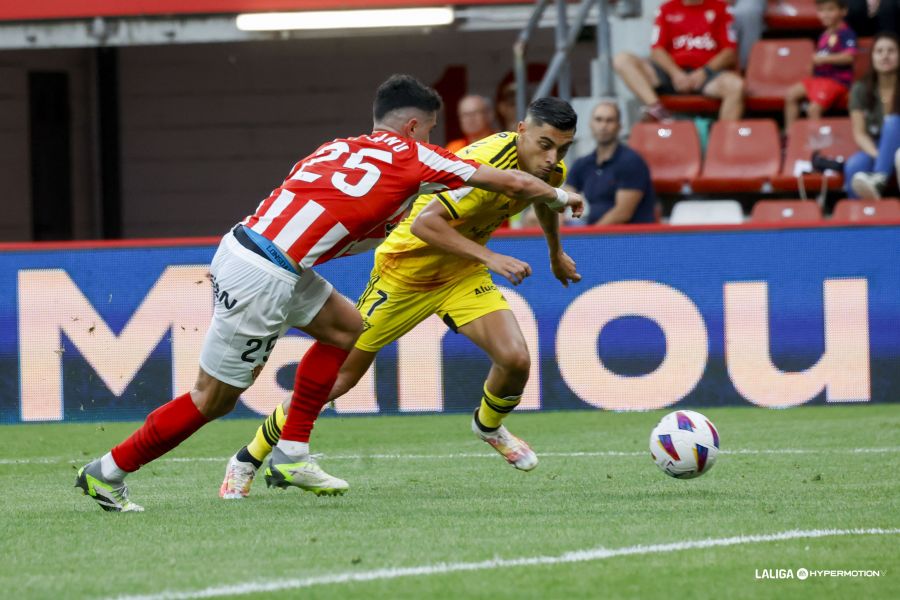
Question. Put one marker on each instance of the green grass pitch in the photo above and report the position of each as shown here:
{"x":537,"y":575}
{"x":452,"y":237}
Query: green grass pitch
{"x":425,"y":493}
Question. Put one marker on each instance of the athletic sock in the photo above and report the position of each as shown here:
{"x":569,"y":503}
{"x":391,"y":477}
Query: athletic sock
{"x":110,"y":470}
{"x":267,"y":435}
{"x":165,"y":428}
{"x":494,"y":409}
{"x":315,"y":377}
{"x":245,"y":457}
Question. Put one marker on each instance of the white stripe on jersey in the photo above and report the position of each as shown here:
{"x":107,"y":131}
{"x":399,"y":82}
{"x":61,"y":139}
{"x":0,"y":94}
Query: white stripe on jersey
{"x":297,"y":224}
{"x":431,"y":188}
{"x":437,"y":162}
{"x":283,"y":199}
{"x":326,"y":243}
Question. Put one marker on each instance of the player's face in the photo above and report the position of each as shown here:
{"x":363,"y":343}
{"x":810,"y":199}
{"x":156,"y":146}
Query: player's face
{"x":419,"y":126}
{"x":541,"y":147}
{"x":605,"y":124}
{"x":885,"y":56}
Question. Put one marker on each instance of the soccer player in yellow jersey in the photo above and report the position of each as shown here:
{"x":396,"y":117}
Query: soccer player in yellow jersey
{"x":433,"y":263}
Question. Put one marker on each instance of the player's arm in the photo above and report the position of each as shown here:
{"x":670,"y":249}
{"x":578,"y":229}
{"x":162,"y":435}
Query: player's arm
{"x":523,"y":186}
{"x":561,"y":264}
{"x":432,"y":226}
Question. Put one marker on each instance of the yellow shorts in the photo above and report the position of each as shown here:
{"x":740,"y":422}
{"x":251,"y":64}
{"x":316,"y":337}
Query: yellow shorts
{"x":389,"y":311}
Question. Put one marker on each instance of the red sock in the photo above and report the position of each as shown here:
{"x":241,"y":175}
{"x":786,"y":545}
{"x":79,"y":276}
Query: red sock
{"x":165,"y":428}
{"x":315,"y":377}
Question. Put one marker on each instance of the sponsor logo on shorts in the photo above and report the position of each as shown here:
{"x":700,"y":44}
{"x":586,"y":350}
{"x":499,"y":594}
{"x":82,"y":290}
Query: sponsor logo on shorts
{"x":484,"y":289}
{"x":222,"y":296}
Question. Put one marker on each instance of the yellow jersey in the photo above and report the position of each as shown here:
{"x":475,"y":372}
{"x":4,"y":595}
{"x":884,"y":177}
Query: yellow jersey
{"x":406,"y":261}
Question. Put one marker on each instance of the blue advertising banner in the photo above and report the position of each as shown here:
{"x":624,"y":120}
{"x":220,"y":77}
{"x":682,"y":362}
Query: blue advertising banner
{"x":774,"y":318}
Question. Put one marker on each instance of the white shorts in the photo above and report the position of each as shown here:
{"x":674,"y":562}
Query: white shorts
{"x":256,"y":301}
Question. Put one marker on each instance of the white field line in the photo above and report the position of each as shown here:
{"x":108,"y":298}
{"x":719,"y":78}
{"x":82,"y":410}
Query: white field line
{"x":46,"y":460}
{"x":255,"y":587}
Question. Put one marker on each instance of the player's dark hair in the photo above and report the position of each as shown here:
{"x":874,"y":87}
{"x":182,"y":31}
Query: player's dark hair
{"x":840,"y":3}
{"x":554,"y":112}
{"x":404,"y":91}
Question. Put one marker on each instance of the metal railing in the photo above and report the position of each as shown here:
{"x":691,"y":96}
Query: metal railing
{"x":559,"y":72}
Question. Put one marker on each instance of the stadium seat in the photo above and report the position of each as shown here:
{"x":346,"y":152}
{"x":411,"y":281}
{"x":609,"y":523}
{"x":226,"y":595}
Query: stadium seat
{"x":832,"y":137}
{"x":863,"y":57}
{"x":792,"y":15}
{"x":770,"y":211}
{"x":773,"y":67}
{"x":741,"y":156}
{"x":860,"y":211}
{"x":706,"y":212}
{"x":690,"y":103}
{"x":672,"y":151}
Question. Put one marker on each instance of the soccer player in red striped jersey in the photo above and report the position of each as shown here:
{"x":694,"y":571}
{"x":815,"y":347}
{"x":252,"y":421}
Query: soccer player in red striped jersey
{"x":341,"y":199}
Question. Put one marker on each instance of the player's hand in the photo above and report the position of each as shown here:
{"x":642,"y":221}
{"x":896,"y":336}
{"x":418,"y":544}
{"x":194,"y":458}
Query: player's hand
{"x":564,"y":269}
{"x":681,"y":82}
{"x":576,"y":203}
{"x":513,"y":269}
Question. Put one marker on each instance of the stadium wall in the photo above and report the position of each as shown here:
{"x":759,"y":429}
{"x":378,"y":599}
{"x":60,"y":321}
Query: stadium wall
{"x":728,"y":316}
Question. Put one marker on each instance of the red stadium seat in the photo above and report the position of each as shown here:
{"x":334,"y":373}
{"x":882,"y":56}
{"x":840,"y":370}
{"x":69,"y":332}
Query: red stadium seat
{"x":792,"y":15}
{"x":690,"y":103}
{"x":860,"y":211}
{"x":863,"y":56}
{"x":672,"y":151}
{"x":741,"y":156}
{"x":773,"y":67}
{"x":771,"y":211}
{"x":833,"y":137}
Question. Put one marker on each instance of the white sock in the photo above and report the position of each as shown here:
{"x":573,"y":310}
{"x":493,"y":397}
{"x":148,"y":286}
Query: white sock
{"x":110,"y":470}
{"x":294,"y":449}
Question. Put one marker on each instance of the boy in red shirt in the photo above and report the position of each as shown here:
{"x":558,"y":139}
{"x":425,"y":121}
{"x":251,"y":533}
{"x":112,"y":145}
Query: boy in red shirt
{"x":693,"y":46}
{"x":833,"y":65}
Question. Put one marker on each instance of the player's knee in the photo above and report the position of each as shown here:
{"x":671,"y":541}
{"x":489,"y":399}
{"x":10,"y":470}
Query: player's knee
{"x":214,"y":402}
{"x":515,"y":361}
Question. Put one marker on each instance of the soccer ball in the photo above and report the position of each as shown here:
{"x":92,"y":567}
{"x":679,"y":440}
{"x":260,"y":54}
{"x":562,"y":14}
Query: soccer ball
{"x":684,"y":444}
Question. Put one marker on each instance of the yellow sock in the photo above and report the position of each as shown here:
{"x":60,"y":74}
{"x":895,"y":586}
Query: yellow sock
{"x":494,"y":408}
{"x":267,"y":435}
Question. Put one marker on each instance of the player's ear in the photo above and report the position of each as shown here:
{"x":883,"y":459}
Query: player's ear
{"x":411,"y":127}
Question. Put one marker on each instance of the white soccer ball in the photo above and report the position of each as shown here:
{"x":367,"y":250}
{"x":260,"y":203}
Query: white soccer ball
{"x":684,"y":444}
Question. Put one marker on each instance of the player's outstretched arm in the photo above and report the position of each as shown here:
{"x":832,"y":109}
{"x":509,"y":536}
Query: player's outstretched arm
{"x":561,"y":264}
{"x":523,"y":186}
{"x":432,"y":226}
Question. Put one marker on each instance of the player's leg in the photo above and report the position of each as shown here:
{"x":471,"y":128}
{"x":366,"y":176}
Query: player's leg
{"x":335,"y":327}
{"x":388,"y":314}
{"x":498,"y":334}
{"x":243,"y":466}
{"x":242,"y":333}
{"x":485,"y":318}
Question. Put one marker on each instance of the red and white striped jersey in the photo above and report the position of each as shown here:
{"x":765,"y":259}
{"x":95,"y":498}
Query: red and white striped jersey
{"x":350,"y":193}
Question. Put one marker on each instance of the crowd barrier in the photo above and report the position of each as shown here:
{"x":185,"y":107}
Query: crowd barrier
{"x":693,"y":317}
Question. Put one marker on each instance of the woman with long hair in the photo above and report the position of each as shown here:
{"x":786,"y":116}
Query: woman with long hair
{"x":875,"y":116}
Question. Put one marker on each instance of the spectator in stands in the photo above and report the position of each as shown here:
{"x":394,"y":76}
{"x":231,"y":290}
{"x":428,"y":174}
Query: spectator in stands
{"x":506,"y":106}
{"x":749,"y":22}
{"x":868,"y":17}
{"x":875,"y":115}
{"x":614,"y":179}
{"x":833,"y":70}
{"x":693,"y":48}
{"x":475,"y":120}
